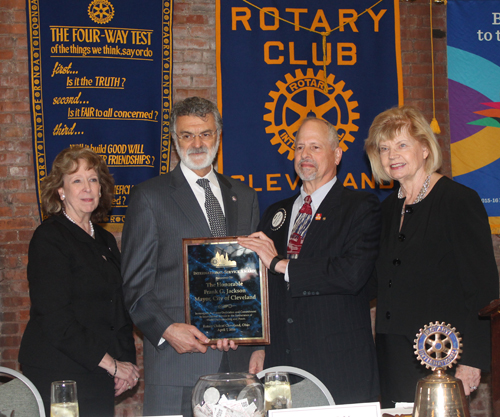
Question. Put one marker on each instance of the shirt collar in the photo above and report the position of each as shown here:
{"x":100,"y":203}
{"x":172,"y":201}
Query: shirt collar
{"x":192,"y":177}
{"x":319,"y":195}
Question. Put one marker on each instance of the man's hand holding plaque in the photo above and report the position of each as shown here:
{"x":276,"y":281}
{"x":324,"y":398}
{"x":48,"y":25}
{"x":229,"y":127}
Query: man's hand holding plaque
{"x":185,"y":338}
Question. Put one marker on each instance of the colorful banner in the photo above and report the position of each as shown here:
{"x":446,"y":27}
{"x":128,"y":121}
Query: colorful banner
{"x":474,"y":96}
{"x":271,"y":76}
{"x":100,"y":77}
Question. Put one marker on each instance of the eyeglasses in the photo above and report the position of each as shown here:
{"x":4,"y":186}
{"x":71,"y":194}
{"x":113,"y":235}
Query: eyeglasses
{"x":189,"y":137}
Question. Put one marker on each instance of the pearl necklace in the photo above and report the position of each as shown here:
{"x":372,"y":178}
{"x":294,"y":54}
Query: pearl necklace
{"x":72,"y":221}
{"x":420,"y":196}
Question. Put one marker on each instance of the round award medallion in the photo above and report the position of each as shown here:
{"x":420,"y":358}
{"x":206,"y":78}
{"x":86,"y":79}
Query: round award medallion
{"x":438,"y":345}
{"x":278,"y":219}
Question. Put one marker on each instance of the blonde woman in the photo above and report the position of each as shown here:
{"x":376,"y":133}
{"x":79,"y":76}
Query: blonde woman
{"x":436,"y":261}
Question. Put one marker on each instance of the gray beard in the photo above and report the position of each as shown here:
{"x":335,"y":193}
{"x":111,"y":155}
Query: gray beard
{"x":208,"y":160}
{"x":304,"y":177}
{"x":310,"y":177}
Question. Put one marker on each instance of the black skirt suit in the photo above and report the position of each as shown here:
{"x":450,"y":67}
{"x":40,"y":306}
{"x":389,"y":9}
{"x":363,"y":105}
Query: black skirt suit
{"x":77,"y":313}
{"x":439,"y":267}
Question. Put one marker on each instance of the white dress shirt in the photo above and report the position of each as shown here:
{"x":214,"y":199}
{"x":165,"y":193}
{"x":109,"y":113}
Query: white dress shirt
{"x":317,"y":198}
{"x":199,"y":193}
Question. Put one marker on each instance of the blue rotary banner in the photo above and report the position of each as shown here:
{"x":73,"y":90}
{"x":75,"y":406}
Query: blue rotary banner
{"x":271,"y":75}
{"x":473,"y":85}
{"x":100,"y":76}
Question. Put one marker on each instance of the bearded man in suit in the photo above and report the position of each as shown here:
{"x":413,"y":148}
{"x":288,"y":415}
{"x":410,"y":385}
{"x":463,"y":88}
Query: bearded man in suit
{"x":163,"y":211}
{"x":320,"y":247}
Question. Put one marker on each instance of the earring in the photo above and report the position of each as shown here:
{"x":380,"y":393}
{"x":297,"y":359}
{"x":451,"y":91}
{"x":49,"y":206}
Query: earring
{"x":99,"y":193}
{"x":63,"y":197}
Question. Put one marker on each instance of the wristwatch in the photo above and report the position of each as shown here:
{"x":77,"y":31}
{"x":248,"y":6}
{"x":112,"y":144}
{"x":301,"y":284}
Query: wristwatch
{"x":273,"y":263}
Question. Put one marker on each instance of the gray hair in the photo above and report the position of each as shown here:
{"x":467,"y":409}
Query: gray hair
{"x":195,"y":106}
{"x":333,"y":136}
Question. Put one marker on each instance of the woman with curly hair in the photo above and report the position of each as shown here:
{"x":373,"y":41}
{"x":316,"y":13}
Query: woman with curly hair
{"x":79,"y":328}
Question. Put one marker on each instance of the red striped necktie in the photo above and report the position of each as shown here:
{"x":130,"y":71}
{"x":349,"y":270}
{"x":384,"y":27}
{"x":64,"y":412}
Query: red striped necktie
{"x":302,"y":222}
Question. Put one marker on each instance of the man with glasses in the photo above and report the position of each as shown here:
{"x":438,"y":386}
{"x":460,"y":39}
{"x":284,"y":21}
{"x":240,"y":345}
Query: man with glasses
{"x":191,"y":201}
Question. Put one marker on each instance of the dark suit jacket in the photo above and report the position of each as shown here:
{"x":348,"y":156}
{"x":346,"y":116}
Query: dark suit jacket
{"x":446,"y":271}
{"x":162,"y":211}
{"x":77,"y":310}
{"x":322,"y":323}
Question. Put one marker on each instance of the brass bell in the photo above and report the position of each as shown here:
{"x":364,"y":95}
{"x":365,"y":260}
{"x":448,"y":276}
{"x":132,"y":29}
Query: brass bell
{"x":439,"y":395}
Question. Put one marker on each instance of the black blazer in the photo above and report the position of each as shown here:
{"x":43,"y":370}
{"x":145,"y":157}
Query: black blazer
{"x":77,"y":310}
{"x":445,"y":269}
{"x":322,"y":323}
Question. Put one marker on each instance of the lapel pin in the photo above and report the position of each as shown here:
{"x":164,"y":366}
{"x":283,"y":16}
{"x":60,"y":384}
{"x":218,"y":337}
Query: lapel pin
{"x":318,"y":216}
{"x":234,"y":198}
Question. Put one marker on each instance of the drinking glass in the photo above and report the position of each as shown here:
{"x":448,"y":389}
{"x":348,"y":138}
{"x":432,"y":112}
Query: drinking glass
{"x":63,"y":399}
{"x":277,"y":391}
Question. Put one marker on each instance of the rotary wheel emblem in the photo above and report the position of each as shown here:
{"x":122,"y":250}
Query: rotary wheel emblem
{"x":101,"y":11}
{"x":438,"y":346}
{"x":302,"y":96}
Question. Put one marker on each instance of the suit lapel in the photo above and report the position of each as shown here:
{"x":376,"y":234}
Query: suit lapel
{"x":77,"y":232}
{"x":280,"y":235}
{"x":230,"y":201}
{"x":186,"y":200}
{"x":98,"y":246}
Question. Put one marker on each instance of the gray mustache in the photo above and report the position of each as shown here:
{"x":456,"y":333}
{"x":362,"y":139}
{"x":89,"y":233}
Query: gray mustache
{"x":310,"y":161}
{"x":202,"y":149}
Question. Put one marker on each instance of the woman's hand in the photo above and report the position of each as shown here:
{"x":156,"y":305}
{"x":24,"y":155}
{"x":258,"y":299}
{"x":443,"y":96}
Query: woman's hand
{"x":126,"y":374}
{"x":120,"y":386}
{"x":470,"y":377}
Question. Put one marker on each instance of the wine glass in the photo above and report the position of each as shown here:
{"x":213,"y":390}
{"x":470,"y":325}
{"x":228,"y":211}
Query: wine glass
{"x":277,"y":391}
{"x":63,"y":399}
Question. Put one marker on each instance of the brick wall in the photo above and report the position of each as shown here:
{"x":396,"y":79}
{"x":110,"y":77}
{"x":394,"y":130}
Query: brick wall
{"x":193,"y":74}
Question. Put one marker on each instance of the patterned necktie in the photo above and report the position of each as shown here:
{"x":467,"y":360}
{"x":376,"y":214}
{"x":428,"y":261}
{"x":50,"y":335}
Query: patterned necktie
{"x":216,"y":218}
{"x":302,"y":222}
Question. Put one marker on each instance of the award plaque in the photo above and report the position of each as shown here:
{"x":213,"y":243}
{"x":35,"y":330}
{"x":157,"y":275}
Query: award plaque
{"x":225,"y":291}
